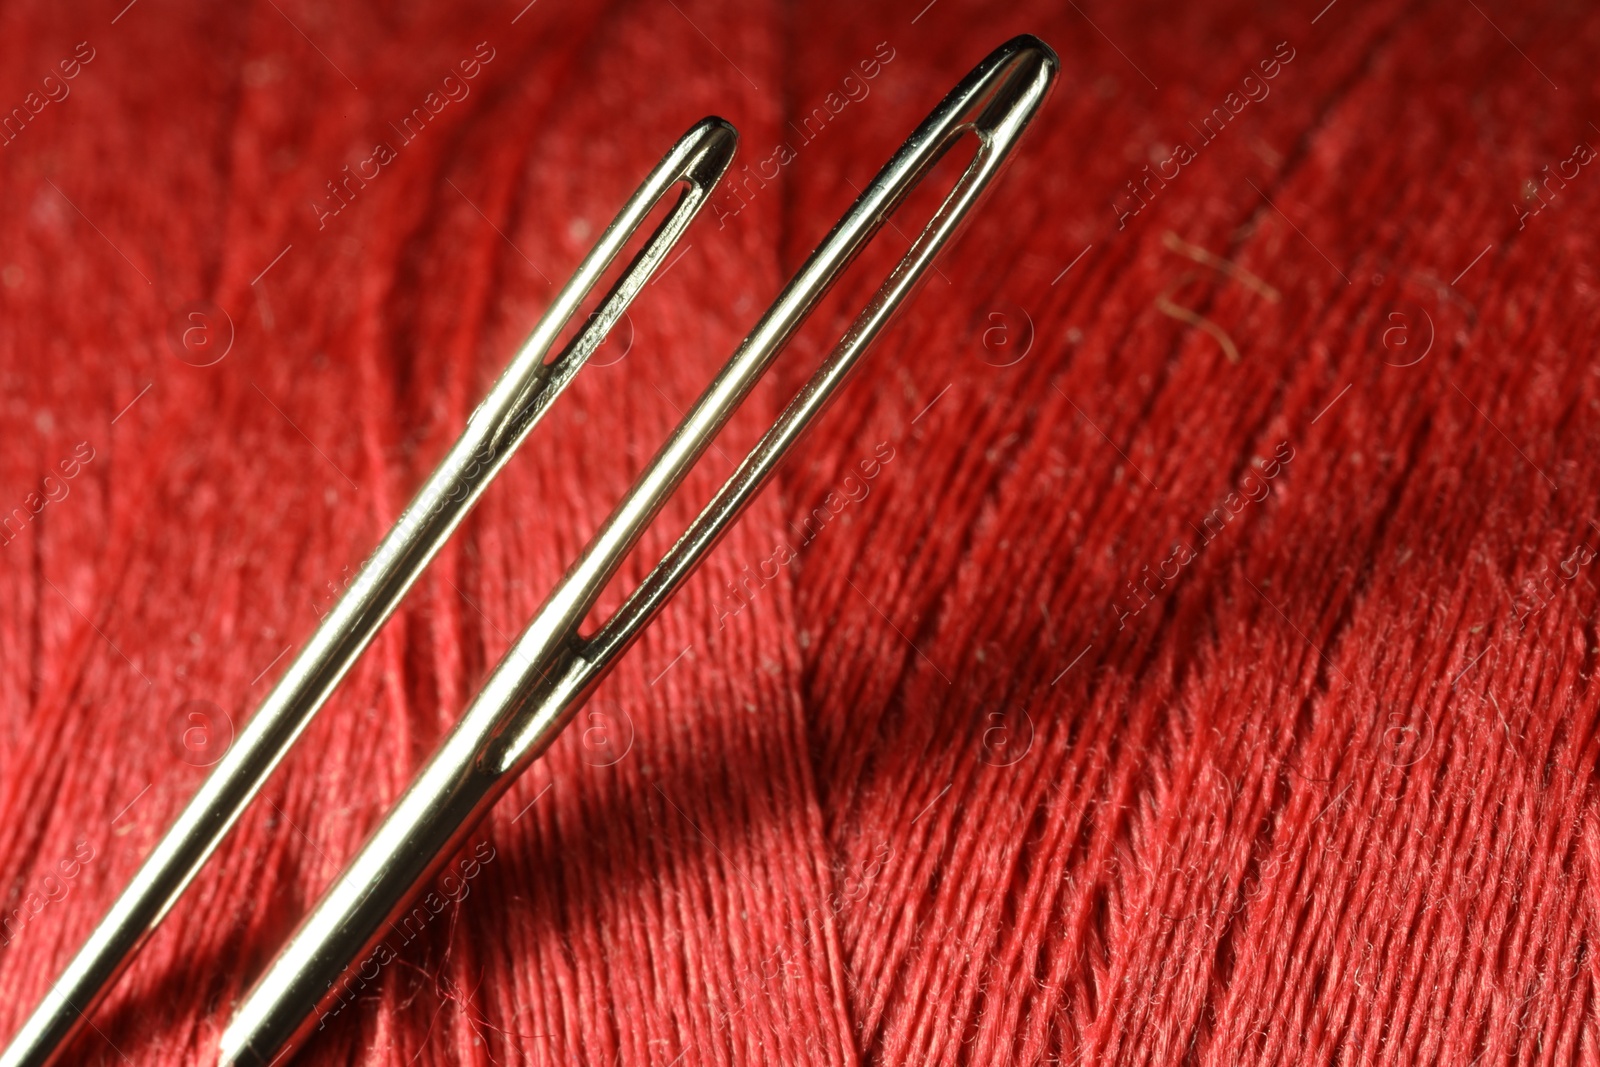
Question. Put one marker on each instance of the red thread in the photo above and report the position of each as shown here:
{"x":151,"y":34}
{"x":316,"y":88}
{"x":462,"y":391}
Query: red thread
{"x":909,"y":794}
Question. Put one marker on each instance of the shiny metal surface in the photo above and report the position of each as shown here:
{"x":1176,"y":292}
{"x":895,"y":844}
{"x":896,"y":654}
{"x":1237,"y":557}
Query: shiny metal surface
{"x":521,"y":396}
{"x":551,"y":668}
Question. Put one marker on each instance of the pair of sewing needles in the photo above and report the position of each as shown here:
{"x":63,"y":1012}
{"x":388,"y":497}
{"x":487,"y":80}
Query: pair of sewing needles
{"x":551,"y":668}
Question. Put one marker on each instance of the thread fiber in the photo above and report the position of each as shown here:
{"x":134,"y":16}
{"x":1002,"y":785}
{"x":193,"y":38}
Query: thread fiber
{"x":1174,"y":647}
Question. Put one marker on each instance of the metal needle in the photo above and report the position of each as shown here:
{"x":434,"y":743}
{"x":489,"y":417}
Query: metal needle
{"x":521,"y":396}
{"x":551,"y":668}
